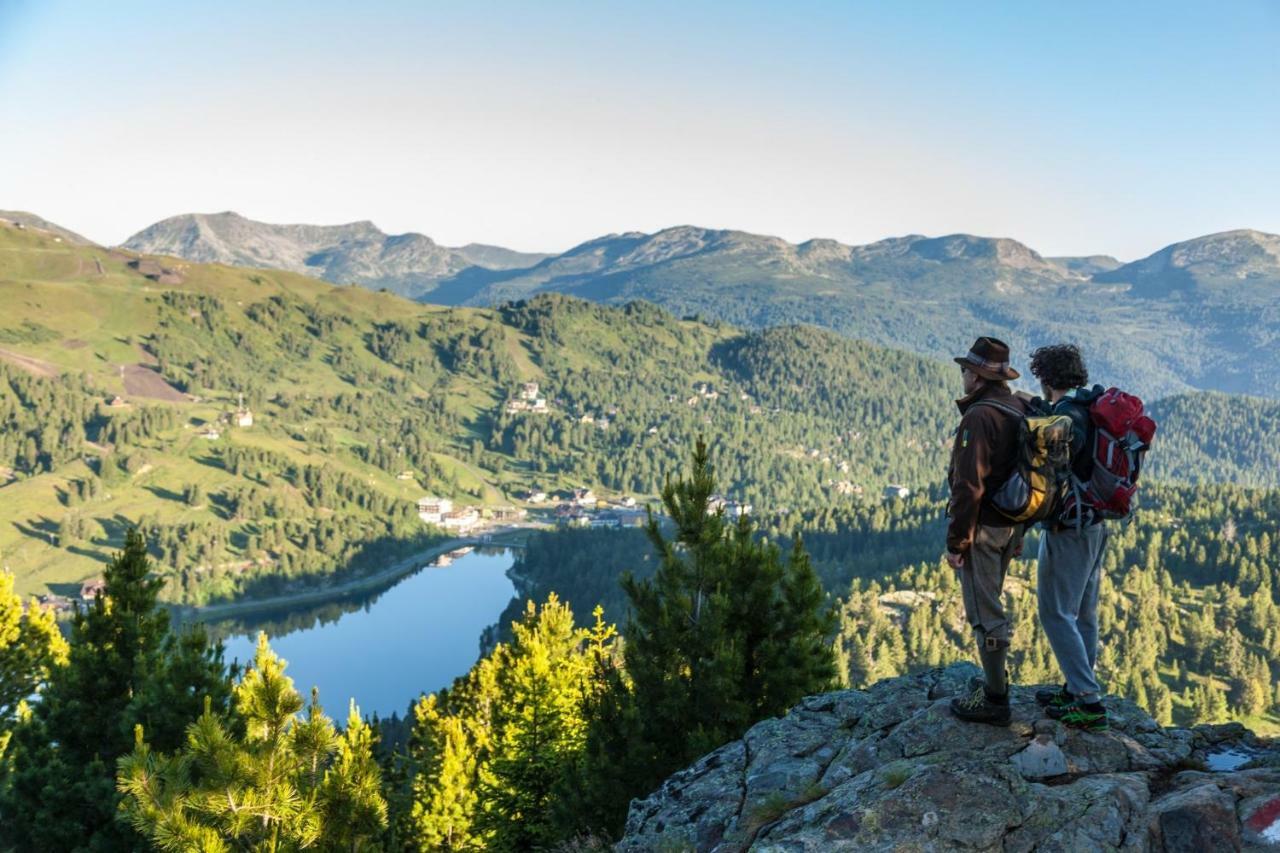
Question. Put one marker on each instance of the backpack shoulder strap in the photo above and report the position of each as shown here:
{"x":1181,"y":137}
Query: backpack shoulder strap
{"x":1008,"y":410}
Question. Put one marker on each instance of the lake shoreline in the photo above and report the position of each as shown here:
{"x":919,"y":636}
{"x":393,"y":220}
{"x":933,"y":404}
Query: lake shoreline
{"x":213,"y":612}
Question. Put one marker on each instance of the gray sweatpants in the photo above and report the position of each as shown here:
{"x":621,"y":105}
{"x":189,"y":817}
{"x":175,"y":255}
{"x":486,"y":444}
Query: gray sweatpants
{"x":1069,"y":572}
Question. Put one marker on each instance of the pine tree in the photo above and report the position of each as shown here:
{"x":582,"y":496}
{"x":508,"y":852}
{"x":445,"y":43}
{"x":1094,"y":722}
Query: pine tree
{"x":723,"y":635}
{"x":444,"y":787}
{"x":61,"y":793}
{"x":30,"y":648}
{"x":355,"y":812}
{"x":268,"y":778}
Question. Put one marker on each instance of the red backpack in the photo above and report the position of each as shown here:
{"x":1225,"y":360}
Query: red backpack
{"x":1122,"y":434}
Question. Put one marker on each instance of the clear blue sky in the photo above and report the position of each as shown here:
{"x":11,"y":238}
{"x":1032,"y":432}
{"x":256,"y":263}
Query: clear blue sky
{"x":1075,"y":127}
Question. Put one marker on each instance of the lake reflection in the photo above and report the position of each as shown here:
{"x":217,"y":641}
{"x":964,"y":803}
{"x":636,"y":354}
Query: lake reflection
{"x":385,"y":648}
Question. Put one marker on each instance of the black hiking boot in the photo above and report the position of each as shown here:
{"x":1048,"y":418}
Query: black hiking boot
{"x":981,"y":707}
{"x":1091,"y":717}
{"x":1053,"y":697}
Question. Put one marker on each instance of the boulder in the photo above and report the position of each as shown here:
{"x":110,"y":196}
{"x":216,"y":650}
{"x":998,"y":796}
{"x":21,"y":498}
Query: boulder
{"x":889,"y":768}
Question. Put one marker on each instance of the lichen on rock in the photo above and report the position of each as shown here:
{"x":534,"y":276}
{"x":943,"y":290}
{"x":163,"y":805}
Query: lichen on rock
{"x":889,"y":768}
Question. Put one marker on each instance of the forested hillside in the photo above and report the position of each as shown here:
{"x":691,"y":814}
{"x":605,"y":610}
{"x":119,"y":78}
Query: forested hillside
{"x":1190,"y":618}
{"x":122,"y":383}
{"x":1216,"y":438}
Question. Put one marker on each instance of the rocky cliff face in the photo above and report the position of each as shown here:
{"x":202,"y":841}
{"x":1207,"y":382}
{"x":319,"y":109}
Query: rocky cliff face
{"x":889,"y":768}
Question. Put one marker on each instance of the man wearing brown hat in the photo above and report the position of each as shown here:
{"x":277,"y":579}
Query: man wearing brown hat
{"x":980,"y":541}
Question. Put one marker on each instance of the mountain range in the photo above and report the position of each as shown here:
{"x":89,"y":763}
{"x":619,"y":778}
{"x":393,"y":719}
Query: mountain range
{"x":1203,"y":314}
{"x":355,"y":253}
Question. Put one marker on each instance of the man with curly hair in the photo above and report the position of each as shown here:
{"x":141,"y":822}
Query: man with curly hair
{"x":1070,"y":562}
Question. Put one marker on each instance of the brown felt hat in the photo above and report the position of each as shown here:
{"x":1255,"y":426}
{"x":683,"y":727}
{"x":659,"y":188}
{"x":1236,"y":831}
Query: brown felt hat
{"x":989,"y":358}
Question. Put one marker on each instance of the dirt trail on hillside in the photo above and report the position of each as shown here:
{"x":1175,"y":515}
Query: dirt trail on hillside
{"x":34,"y":366}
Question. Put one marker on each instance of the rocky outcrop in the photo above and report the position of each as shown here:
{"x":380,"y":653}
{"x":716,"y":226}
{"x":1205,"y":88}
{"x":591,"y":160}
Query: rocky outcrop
{"x":890,"y":768}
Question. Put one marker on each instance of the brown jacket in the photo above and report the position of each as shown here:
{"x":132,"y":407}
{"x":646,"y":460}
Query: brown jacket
{"x":982,"y":458}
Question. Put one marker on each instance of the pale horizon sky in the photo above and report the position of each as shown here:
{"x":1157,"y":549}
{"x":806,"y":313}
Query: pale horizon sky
{"x":1088,"y":128}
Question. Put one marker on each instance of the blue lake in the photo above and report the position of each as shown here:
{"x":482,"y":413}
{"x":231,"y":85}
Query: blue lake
{"x":385,"y":648}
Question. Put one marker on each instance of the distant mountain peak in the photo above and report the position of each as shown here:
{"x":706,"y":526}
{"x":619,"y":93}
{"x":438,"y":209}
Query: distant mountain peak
{"x":1214,"y":261}
{"x":358,"y":252}
{"x":26,"y":219}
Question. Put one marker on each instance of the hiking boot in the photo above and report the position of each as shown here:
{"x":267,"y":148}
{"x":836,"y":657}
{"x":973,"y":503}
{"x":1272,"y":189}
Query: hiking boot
{"x":981,"y":707}
{"x":1052,"y":697}
{"x":979,"y":681}
{"x":1089,"y":718}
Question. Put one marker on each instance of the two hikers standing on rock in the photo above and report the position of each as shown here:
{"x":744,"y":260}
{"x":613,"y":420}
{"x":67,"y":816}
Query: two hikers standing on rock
{"x":1019,"y":460}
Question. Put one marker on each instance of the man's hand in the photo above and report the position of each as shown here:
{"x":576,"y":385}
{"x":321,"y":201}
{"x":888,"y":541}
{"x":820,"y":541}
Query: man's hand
{"x":955,"y":561}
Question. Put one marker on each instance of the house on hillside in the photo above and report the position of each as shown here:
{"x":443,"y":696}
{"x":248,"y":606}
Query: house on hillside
{"x":92,"y":588}
{"x":243,"y":417}
{"x":404,"y":475}
{"x":432,"y":510}
{"x":584,"y":497}
{"x":211,"y":434}
{"x":732,"y":509}
{"x":528,"y":400}
{"x":117,"y":402}
{"x":535,"y":496}
{"x":894,"y":492}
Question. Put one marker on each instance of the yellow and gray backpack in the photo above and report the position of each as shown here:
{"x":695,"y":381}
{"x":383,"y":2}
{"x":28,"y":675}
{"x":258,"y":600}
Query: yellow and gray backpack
{"x":1042,"y":467}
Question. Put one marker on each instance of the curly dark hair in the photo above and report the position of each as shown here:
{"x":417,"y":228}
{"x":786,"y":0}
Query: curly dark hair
{"x":1060,"y":366}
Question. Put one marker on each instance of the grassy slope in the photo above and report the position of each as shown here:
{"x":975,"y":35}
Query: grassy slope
{"x":98,"y":320}
{"x":95,"y":311}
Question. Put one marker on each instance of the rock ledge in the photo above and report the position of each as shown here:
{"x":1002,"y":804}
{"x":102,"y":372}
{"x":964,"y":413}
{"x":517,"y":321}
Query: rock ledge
{"x":890,"y":768}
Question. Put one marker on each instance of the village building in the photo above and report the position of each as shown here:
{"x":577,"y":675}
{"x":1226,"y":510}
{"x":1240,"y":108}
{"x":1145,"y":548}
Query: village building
{"x":528,"y":400}
{"x":243,"y":417}
{"x":211,"y":434}
{"x":404,"y":475}
{"x":508,"y":513}
{"x":55,"y":603}
{"x":896,"y":492}
{"x":535,"y":496}
{"x":460,"y":520}
{"x":705,"y":391}
{"x":117,"y":402}
{"x":91,"y":589}
{"x":732,"y":509}
{"x":605,"y":520}
{"x":432,"y":510}
{"x":627,"y":501}
{"x":584,"y":497}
